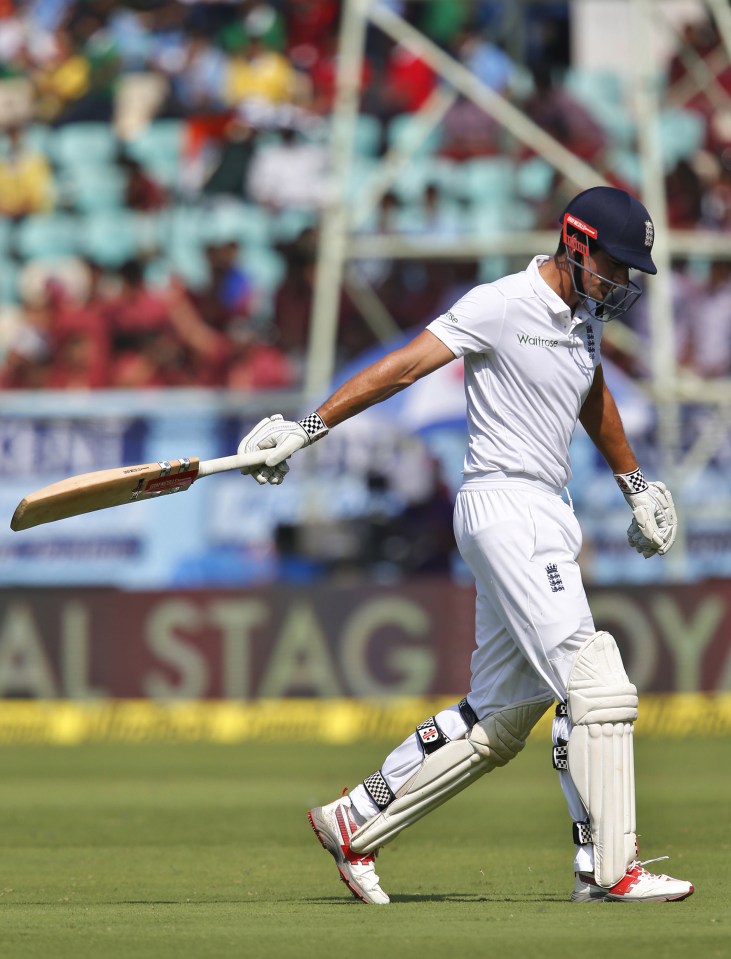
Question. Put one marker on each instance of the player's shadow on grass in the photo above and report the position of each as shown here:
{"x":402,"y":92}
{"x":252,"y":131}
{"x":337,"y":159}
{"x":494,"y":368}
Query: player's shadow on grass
{"x":464,"y":897}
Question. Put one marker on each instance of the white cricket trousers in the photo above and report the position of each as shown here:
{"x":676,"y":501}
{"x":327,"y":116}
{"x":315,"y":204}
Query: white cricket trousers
{"x":521,"y":543}
{"x":532,"y":616}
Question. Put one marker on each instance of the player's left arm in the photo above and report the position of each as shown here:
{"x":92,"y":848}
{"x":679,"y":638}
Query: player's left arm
{"x":600,"y":418}
{"x":655,"y":522}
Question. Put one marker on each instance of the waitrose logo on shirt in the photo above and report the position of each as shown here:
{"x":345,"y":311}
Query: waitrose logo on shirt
{"x":525,"y":340}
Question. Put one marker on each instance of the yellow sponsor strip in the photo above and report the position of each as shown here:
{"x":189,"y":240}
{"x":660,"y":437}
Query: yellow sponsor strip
{"x":338,"y":721}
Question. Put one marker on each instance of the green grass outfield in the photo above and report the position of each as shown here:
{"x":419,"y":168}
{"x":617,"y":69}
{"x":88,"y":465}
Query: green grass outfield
{"x":203,"y":850}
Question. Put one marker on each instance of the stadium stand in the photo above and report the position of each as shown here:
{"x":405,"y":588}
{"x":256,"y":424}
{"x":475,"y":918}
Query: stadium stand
{"x":162,"y":174}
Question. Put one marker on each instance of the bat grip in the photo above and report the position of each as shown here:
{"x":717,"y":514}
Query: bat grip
{"x":235,"y":462}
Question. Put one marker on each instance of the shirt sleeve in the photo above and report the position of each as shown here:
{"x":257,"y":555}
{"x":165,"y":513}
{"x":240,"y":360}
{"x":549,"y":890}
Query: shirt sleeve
{"x":474,"y":323}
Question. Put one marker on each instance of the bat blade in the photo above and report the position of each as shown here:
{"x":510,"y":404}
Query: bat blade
{"x":88,"y":492}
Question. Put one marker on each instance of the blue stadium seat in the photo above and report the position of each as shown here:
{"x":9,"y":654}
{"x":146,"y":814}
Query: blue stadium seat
{"x":47,"y":235}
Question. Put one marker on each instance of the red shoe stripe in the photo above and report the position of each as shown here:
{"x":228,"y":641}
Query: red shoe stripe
{"x":626,"y":883}
{"x":345,"y":833}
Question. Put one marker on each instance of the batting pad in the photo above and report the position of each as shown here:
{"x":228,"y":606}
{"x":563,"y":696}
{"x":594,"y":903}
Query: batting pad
{"x":602,"y":706}
{"x":491,"y":742}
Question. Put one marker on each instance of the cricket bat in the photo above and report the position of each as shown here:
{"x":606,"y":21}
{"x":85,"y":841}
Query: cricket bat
{"x":125,"y":484}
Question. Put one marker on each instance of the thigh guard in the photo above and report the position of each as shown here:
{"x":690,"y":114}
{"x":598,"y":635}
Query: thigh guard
{"x":451,"y":768}
{"x":602,"y":705}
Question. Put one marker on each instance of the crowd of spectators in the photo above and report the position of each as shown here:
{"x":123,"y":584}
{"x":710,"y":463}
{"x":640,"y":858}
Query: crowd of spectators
{"x":252,"y":84}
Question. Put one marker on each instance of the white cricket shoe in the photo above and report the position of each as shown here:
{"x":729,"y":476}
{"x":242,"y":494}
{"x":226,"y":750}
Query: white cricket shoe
{"x":636,"y":885}
{"x":334,"y":825}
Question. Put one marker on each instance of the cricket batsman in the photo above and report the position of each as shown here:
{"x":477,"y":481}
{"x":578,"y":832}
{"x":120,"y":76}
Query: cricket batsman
{"x":531,"y":344}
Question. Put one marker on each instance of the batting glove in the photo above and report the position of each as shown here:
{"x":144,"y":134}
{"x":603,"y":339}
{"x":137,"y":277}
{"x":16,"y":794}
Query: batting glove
{"x":283,"y":437}
{"x":263,"y":474}
{"x":655,"y":522}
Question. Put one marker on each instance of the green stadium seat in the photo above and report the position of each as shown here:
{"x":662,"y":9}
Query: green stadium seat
{"x":594,"y":86}
{"x":47,"y":235}
{"x":6,"y":233}
{"x":403,"y":131}
{"x":287,"y":225}
{"x":493,"y":268}
{"x":452,"y":219}
{"x":682,"y":134}
{"x":488,"y":180}
{"x":160,"y":137}
{"x":9,"y":273}
{"x":158,"y":148}
{"x":38,"y":137}
{"x":186,"y":260}
{"x":112,"y":237}
{"x":237,"y":221}
{"x":627,"y":165}
{"x":618,"y":122}
{"x":492,"y":219}
{"x":181,"y":222}
{"x":84,"y":143}
{"x":534,"y":178}
{"x":421,"y":171}
{"x":368,"y":135}
{"x":362,"y":173}
{"x":266,"y":268}
{"x":91,"y":187}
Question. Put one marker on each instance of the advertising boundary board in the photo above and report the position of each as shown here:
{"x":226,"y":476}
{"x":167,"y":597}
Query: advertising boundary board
{"x":332,"y":640}
{"x":334,"y":722}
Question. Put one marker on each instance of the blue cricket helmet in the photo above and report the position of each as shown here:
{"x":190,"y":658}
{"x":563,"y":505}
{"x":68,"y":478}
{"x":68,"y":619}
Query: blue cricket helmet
{"x":617,"y":222}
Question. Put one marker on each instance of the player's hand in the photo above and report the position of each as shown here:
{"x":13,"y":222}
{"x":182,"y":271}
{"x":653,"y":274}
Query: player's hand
{"x":639,"y":542}
{"x":263,"y":474}
{"x":283,"y":437}
{"x":655,"y":522}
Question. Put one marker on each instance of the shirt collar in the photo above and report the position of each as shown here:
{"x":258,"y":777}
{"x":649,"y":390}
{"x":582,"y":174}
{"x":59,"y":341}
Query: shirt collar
{"x":559,"y":310}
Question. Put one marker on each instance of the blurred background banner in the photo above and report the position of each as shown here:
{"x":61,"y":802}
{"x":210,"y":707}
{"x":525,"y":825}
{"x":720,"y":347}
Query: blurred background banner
{"x":210,"y":212}
{"x":326,"y":641}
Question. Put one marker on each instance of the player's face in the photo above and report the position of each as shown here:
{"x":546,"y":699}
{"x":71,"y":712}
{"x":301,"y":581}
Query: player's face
{"x":606,"y":273}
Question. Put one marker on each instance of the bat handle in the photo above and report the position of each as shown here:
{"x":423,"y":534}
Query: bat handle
{"x":235,"y":462}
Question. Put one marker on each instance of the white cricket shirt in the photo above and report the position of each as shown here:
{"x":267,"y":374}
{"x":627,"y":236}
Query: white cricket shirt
{"x":528,"y":366}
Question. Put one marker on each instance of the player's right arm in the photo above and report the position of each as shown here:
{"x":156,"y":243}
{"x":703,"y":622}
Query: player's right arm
{"x":399,"y":369}
{"x":389,"y":375}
